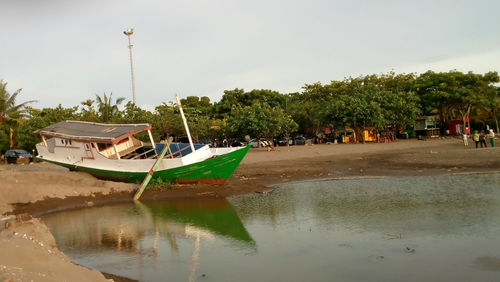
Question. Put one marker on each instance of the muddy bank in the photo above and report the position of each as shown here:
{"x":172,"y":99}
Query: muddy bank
{"x":44,"y":187}
{"x":40,"y":188}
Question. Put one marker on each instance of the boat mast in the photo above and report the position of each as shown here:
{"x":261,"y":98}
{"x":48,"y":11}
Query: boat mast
{"x":185,"y":122}
{"x":151,"y":139}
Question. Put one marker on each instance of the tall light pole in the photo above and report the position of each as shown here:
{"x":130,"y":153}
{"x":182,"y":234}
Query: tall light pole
{"x":129,"y":32}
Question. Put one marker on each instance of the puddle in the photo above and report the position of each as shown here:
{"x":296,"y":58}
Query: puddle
{"x":430,"y":228}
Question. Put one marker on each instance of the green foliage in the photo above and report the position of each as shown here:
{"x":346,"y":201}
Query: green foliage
{"x":401,"y":108}
{"x":88,"y":113}
{"x":167,"y":120}
{"x":107,"y":111}
{"x":24,"y":137}
{"x":371,"y":100}
{"x":4,"y":139}
{"x":454,"y":94}
{"x":259,"y":120}
{"x":133,"y":114}
{"x":238,"y":97}
{"x":156,"y":183}
{"x":9,"y":110}
{"x":201,"y":106}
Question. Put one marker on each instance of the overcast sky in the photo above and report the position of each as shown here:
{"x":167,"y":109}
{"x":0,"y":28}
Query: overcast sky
{"x":64,"y":52}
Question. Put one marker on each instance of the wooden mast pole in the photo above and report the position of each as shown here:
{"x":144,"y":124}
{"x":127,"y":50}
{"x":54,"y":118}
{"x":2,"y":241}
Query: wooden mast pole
{"x":150,"y":173}
{"x":185,"y":122}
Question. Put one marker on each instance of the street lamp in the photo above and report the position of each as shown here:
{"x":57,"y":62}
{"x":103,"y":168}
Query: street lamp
{"x":129,"y":32}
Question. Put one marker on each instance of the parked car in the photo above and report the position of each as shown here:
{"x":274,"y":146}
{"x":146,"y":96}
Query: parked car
{"x":237,"y":142}
{"x":282,"y":141}
{"x":299,"y":140}
{"x":263,"y":143}
{"x":12,"y":156}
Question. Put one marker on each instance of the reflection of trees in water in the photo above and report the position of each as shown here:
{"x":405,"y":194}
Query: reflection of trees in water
{"x":112,"y":227}
{"x":403,"y":211}
{"x":488,"y":263}
{"x":438,"y":204}
{"x":268,"y":207}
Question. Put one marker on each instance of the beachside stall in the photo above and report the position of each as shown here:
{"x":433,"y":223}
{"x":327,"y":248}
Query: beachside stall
{"x":427,"y":126}
{"x":346,"y":135}
{"x":456,"y":126}
{"x":370,"y":133}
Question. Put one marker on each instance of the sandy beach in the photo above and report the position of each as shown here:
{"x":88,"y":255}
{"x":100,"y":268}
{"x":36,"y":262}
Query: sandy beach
{"x":29,"y":251}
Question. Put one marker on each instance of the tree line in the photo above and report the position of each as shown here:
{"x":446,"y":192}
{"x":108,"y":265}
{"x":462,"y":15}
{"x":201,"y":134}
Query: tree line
{"x":379,"y":100}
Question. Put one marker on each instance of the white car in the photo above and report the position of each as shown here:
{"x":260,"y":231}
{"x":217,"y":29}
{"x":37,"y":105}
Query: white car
{"x":263,"y":143}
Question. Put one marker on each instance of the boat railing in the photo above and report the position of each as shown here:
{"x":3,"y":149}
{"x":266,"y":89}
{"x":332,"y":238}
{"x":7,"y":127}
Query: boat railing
{"x":139,"y":156}
{"x":177,"y":149}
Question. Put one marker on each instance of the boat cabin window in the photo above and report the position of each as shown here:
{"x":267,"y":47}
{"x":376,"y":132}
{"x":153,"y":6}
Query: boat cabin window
{"x":66,"y":142}
{"x":103,"y":146}
{"x":123,"y":141}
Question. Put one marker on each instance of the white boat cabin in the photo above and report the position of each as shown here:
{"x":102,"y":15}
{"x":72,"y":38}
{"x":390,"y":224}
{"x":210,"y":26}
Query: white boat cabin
{"x":112,"y":141}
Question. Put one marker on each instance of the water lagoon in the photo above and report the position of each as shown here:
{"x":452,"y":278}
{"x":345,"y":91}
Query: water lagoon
{"x":432,"y":228}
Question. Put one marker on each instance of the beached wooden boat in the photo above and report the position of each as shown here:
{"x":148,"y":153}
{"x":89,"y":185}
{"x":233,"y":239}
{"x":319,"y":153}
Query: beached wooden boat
{"x":110,"y":151}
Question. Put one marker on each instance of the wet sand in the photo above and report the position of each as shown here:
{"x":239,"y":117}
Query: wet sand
{"x":29,"y":250}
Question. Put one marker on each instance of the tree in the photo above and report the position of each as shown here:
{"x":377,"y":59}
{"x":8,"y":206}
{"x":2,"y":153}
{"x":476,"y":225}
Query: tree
{"x":133,"y":114}
{"x":434,"y":90}
{"x":453,"y":94}
{"x":287,"y":125}
{"x":259,"y":120}
{"x":400,"y":109}
{"x":238,"y":97}
{"x":167,"y":120}
{"x":4,"y":139}
{"x":8,"y":108}
{"x":373,"y":100}
{"x":358,"y":110}
{"x":489,"y":102}
{"x":199,"y":115}
{"x":37,"y":119}
{"x":87,"y":112}
{"x":106,"y":109}
{"x":310,"y":108}
{"x":200,"y":105}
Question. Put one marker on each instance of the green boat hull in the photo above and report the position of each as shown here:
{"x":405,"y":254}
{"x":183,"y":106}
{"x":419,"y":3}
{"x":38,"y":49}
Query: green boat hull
{"x":212,"y":171}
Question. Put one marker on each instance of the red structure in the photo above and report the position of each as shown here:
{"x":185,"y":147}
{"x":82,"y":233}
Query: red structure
{"x":457,"y":126}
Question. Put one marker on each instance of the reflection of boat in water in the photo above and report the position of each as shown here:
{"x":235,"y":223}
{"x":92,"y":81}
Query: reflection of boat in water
{"x":117,"y":235}
{"x":213,"y":215}
{"x":119,"y":227}
{"x":201,"y":218}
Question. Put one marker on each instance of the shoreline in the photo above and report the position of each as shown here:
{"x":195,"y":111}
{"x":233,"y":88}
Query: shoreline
{"x":41,"y":188}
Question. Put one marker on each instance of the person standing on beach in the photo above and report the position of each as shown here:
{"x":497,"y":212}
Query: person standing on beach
{"x":476,"y":138}
{"x":466,"y":139}
{"x":492,"y":138}
{"x":482,"y":139}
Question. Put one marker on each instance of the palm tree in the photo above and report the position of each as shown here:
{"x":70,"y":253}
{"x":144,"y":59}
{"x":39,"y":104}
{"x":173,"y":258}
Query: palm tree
{"x":106,"y":110}
{"x":8,"y":108}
